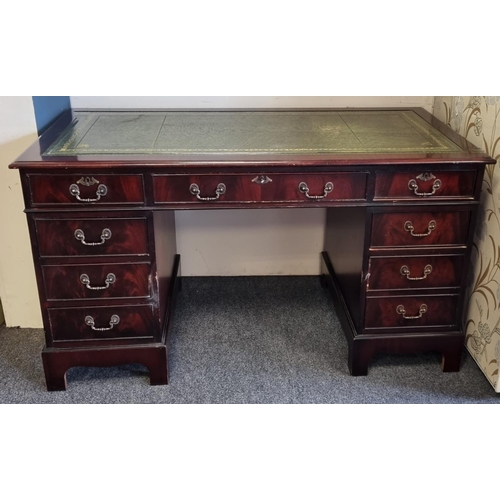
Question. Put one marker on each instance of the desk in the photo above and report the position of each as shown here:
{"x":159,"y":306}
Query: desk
{"x":100,"y":188}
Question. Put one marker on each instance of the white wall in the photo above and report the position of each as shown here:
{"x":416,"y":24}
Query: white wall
{"x":17,"y":276}
{"x":249,"y":242}
{"x":248,"y":102}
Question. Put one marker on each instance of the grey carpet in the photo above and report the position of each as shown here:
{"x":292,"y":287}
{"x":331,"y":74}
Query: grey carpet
{"x":247,"y":340}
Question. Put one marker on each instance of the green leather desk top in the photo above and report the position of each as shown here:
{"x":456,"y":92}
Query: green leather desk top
{"x":248,"y":133}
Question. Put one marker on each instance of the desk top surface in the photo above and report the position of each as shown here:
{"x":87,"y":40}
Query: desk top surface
{"x":246,"y":135}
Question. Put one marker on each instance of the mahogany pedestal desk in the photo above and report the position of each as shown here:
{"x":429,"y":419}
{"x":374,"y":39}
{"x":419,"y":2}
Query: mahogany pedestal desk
{"x":401,"y":192}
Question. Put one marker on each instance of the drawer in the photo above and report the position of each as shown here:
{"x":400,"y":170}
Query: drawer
{"x":86,"y":237}
{"x":411,"y":311}
{"x":277,"y":188}
{"x":425,"y":185}
{"x":86,"y":190}
{"x":101,"y":323}
{"x":386,"y":273}
{"x":420,"y":228}
{"x":97,"y":281}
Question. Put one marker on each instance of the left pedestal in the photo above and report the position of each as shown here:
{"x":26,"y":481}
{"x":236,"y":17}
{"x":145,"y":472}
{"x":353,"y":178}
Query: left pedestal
{"x":107,"y":285}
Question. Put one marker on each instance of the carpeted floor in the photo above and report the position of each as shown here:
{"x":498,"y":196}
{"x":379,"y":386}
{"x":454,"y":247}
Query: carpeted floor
{"x":247,"y":340}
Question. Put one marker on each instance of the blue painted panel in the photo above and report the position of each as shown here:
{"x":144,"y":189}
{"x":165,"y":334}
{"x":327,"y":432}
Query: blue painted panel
{"x":47,"y":110}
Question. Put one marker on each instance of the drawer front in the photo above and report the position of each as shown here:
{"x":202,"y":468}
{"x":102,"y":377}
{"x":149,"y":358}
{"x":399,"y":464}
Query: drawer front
{"x":101,"y":323}
{"x":97,"y":281}
{"x":86,"y":237}
{"x":411,"y":312}
{"x":220,"y":189}
{"x":420,"y":229}
{"x":399,"y":273}
{"x":425,"y":185}
{"x":86,"y":190}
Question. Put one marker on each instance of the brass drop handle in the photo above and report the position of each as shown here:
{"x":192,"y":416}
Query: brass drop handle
{"x":85,"y":280}
{"x":304,"y":189}
{"x":406,"y":272}
{"x":105,"y":235}
{"x":413,"y":186}
{"x":430,"y":227}
{"x":102,"y":190}
{"x":401,"y":310}
{"x":220,"y":190}
{"x":114,"y":320}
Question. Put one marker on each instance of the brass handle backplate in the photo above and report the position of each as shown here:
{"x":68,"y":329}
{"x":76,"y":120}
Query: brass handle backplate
{"x":114,"y":320}
{"x":102,"y":190}
{"x":430,"y":227}
{"x":304,"y":189}
{"x":413,"y":186}
{"x":220,"y":190}
{"x":405,"y":271}
{"x":85,"y":280}
{"x":105,"y":235}
{"x":401,"y":310}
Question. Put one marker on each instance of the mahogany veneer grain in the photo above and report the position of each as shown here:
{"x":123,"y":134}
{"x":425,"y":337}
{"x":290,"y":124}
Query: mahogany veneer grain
{"x":56,"y":237}
{"x":394,"y":185}
{"x":385,"y":273}
{"x":63,"y":282}
{"x":244,"y":188}
{"x":55,"y":189}
{"x":451,"y":228}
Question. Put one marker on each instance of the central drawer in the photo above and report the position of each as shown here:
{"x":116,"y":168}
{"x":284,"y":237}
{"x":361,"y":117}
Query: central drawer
{"x":86,"y":237}
{"x":220,"y":189}
{"x":97,"y":281}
